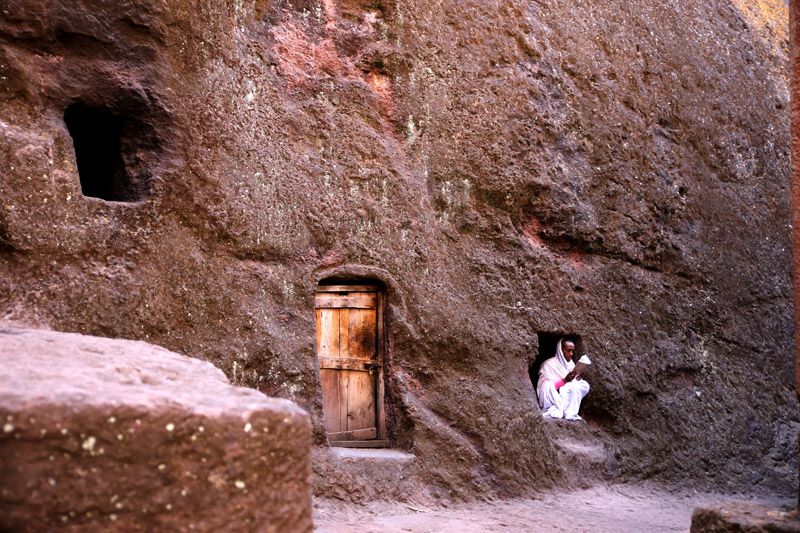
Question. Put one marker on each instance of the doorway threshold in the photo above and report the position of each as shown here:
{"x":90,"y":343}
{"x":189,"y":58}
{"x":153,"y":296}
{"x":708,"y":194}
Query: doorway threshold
{"x":373,"y":443}
{"x":378,"y":454}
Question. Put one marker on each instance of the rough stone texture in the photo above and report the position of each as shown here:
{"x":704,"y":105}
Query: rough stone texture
{"x":744,"y":517}
{"x":795,"y":66}
{"x":795,"y":115}
{"x":616,"y":169}
{"x":361,"y":476}
{"x":124,"y":435}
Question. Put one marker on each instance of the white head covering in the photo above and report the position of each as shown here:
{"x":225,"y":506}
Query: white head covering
{"x":556,"y":367}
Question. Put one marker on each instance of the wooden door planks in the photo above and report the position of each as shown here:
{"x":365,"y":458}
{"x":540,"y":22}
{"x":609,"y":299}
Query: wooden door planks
{"x":352,"y":435}
{"x":360,"y":400}
{"x":380,"y":350}
{"x":328,"y":332}
{"x":348,"y":363}
{"x":361,"y":333}
{"x":357,"y":300}
{"x":350,"y":366}
{"x":332,"y":401}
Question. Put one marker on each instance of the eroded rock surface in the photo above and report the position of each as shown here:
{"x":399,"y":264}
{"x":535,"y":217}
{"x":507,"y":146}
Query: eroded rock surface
{"x":614,"y":169}
{"x":116,"y":434}
{"x":745,"y":517}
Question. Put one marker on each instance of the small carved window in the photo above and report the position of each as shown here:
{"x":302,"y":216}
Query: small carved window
{"x":103,"y":140}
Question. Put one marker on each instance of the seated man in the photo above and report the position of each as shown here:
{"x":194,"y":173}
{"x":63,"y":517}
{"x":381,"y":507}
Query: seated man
{"x":560,"y":388}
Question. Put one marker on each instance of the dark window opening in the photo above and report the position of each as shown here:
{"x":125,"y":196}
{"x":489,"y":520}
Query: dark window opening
{"x":547,"y":349}
{"x":104,"y":142}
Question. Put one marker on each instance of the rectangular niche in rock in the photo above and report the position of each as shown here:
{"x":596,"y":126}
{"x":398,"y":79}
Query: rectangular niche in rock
{"x":103,"y":141}
{"x":349,"y":320}
{"x":547,"y":349}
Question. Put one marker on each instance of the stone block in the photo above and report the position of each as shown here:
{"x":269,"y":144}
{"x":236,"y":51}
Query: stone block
{"x":106,"y":433}
{"x":744,"y":517}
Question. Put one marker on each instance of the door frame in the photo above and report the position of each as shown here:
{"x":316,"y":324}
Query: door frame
{"x":380,"y":343}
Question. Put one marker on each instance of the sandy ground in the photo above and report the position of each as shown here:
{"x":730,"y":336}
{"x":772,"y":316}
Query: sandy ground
{"x":615,"y":508}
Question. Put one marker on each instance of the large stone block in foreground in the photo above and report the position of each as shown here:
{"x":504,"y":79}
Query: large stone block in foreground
{"x":121,"y":434}
{"x":744,"y":517}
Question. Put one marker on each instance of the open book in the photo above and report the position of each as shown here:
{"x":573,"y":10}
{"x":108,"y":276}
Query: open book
{"x":582,"y":364}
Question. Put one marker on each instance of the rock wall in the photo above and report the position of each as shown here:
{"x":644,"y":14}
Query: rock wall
{"x":615,"y":170}
{"x":795,"y":67}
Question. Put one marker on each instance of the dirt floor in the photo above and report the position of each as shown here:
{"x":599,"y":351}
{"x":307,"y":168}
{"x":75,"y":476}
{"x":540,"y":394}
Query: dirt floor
{"x":606,"y":508}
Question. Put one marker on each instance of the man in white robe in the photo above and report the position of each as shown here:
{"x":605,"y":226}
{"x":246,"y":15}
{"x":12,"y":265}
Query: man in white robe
{"x":559,"y":389}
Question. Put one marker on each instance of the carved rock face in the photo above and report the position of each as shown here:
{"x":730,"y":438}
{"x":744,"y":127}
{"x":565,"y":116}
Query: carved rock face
{"x":505,"y":169}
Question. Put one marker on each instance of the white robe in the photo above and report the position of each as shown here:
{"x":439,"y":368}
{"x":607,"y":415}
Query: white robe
{"x":566,"y":401}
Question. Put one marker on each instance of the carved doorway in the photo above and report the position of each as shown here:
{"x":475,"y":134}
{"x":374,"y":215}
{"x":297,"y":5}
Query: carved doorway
{"x":349,"y":321}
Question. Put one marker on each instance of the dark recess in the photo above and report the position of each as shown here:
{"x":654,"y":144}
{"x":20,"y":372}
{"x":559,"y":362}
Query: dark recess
{"x":102,"y":140}
{"x":547,"y":349}
{"x":378,"y":284}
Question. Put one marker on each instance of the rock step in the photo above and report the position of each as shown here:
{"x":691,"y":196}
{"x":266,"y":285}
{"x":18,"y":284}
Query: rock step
{"x":362,"y":474}
{"x":583,"y":453}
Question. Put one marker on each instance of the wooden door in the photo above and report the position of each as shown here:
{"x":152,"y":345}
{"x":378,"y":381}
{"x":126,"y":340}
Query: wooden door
{"x":348,"y":319}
